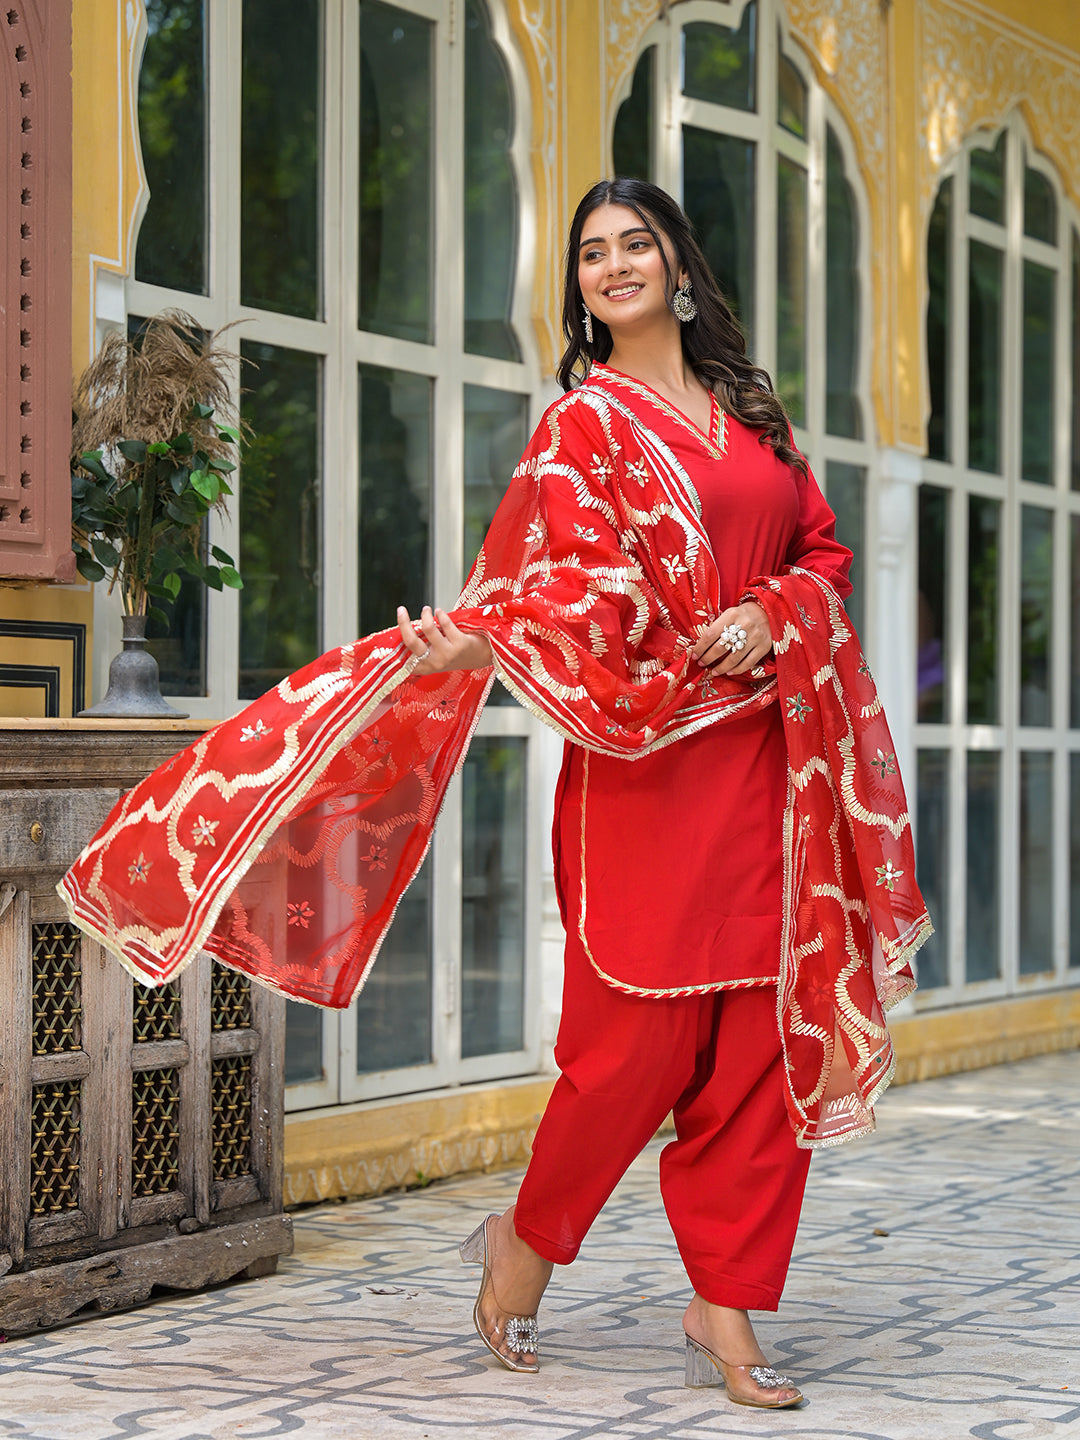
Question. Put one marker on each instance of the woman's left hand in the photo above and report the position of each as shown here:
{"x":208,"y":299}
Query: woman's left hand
{"x":716,"y":654}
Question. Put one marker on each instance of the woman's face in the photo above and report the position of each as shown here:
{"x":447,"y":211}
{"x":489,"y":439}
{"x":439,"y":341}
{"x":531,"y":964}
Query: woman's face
{"x":621,"y":270}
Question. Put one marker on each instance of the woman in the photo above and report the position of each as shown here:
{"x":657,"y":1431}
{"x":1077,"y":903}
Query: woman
{"x":739,"y":902}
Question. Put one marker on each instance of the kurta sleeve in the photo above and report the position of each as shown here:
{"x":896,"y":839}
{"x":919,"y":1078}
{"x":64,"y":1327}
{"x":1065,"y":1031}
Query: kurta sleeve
{"x":814,"y":545}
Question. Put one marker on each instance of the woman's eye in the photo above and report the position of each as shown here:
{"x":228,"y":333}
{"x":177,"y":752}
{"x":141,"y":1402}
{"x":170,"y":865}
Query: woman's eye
{"x":593,"y":254}
{"x":638,"y":245}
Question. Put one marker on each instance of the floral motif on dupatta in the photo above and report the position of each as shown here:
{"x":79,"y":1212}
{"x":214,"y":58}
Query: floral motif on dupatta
{"x":593,"y":582}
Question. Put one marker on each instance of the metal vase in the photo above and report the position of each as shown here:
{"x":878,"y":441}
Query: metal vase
{"x":134,"y":691}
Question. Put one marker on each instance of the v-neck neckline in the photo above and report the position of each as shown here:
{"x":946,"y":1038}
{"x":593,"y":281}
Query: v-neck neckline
{"x":716,"y":437}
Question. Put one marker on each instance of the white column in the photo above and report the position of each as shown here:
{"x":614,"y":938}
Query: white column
{"x":894,"y":559}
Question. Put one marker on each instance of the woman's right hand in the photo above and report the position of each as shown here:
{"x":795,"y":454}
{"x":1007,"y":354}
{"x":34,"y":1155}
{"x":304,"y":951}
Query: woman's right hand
{"x":442,"y":644}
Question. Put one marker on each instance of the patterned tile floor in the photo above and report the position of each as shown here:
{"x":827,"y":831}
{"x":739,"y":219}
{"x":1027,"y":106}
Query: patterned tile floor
{"x":935,"y":1293}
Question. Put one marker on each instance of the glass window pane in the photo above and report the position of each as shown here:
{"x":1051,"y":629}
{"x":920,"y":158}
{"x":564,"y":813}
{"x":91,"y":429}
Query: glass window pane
{"x":843,"y":413}
{"x":1040,"y":207}
{"x":845,"y":488}
{"x":791,"y":97}
{"x":395,"y":494}
{"x":791,"y":287}
{"x":718,"y":196}
{"x":986,"y":192}
{"x":1074,"y":633}
{"x":172,"y":132}
{"x":1075,"y":465}
{"x":932,"y":863}
{"x":632,"y":143}
{"x":393,"y":1012}
{"x":396,"y":143}
{"x":938,"y":322}
{"x":491,"y":204}
{"x":984,"y":533}
{"x":279,"y":512}
{"x":1036,"y":613}
{"x":719,"y":63}
{"x":493,"y":897}
{"x":984,"y":357}
{"x":280,"y":156}
{"x":303,"y":1043}
{"x":1036,"y":862}
{"x":933,"y":554}
{"x":983,"y":890}
{"x":1074,"y":859}
{"x":1040,"y":301}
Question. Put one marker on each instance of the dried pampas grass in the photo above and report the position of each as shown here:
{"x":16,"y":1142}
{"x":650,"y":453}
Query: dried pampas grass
{"x":146,"y":388}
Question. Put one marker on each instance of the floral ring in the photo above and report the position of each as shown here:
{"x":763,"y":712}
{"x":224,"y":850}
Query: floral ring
{"x":734,"y":637}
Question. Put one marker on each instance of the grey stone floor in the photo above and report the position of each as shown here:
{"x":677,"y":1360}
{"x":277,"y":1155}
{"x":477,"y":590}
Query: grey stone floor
{"x":935,"y":1293}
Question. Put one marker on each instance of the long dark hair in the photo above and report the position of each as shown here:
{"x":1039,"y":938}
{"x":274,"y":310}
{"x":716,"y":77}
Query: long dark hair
{"x":712,"y":343}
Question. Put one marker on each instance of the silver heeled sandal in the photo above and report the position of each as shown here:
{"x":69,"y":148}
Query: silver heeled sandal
{"x":705,"y":1368}
{"x":522,"y":1333}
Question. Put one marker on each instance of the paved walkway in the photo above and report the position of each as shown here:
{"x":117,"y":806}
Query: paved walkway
{"x":935,"y":1293}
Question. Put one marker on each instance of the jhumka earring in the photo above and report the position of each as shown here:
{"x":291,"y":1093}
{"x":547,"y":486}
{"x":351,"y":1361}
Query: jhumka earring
{"x":683,"y":304}
{"x":587,"y":317}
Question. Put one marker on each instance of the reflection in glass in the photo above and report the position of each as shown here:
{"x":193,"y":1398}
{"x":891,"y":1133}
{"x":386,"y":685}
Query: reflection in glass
{"x":1074,"y":629}
{"x":984,"y":357}
{"x":303,"y":1043}
{"x":178,"y":643}
{"x":1075,"y":461}
{"x":843,"y":414}
{"x":1036,"y":613}
{"x":279,"y":513}
{"x":718,"y":196}
{"x":491,"y":205}
{"x":986,"y":182}
{"x":493,"y":897}
{"x":719,"y":63}
{"x":172,"y":132}
{"x":393,"y":1012}
{"x":1040,"y":207}
{"x":790,"y":97}
{"x":1074,"y":859}
{"x":981,"y":939}
{"x":791,"y":287}
{"x":1036,"y":862}
{"x":395,"y":495}
{"x":932,"y":864}
{"x":632,"y":142}
{"x":280,"y":155}
{"x":1037,"y":426}
{"x":938,"y":321}
{"x":845,"y":490}
{"x":933,"y":553}
{"x":984,"y":534}
{"x":396,"y":140}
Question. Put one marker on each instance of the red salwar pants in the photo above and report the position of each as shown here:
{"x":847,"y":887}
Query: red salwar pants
{"x":732,"y":1180}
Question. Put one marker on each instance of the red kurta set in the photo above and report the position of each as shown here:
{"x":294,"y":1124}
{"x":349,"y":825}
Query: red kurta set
{"x":740,"y":899}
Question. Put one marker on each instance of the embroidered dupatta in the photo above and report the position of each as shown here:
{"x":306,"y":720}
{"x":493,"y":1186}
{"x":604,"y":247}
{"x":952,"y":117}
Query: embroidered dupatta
{"x":283,"y":839}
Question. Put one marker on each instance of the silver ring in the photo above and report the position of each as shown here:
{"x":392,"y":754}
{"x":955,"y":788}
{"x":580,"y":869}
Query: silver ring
{"x":734,"y":637}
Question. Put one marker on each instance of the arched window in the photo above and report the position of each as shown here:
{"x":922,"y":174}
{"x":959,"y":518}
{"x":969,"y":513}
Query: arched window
{"x":999,"y":578}
{"x":358,"y":212}
{"x":764,"y":168}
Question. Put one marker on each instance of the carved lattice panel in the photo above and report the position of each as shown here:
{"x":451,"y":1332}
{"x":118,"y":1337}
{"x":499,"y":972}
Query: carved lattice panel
{"x":230,"y":1123}
{"x":155,"y":1131}
{"x":155,"y":1012}
{"x":230,"y":1000}
{"x":57,"y":989}
{"x":55,"y":1126}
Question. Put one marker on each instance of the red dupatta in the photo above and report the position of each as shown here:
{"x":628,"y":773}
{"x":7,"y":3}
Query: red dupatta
{"x":283,"y":839}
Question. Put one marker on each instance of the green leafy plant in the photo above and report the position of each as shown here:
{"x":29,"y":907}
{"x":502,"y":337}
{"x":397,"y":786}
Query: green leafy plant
{"x":151,"y":459}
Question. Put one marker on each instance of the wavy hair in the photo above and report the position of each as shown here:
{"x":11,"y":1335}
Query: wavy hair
{"x":713,"y":344}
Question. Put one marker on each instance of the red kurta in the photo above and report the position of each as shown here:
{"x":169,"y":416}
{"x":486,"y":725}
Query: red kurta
{"x":703,"y":905}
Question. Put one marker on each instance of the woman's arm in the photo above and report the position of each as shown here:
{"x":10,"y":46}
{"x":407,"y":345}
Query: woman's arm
{"x":814,"y":545}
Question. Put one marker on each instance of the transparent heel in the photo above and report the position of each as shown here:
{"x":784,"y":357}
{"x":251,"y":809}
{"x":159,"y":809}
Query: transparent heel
{"x":701,"y":1369}
{"x":520,"y":1332}
{"x":472,"y":1249}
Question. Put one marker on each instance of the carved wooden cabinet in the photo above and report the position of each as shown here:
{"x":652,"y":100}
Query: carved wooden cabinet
{"x":140,"y":1128}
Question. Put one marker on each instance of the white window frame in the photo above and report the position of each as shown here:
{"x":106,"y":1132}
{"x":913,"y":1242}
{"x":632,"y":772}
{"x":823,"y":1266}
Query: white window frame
{"x":1008,"y":738}
{"x":673,"y":110}
{"x":343,"y":346}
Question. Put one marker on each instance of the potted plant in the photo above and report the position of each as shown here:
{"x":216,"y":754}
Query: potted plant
{"x":151,"y":458}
